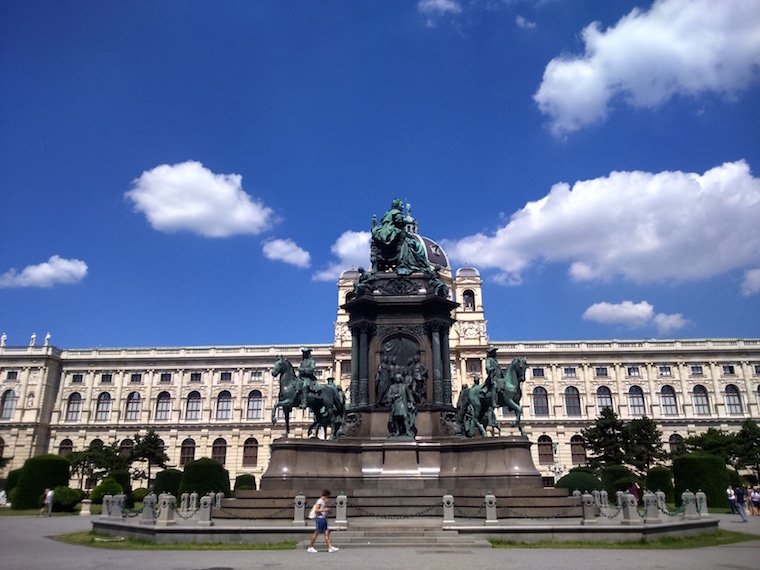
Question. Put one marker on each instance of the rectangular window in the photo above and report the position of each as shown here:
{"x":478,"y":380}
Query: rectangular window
{"x":77,"y":378}
{"x":103,"y":409}
{"x":663,"y":370}
{"x":601,"y":371}
{"x":701,"y":404}
{"x":195,"y":377}
{"x":257,"y":375}
{"x":166,"y":377}
{"x":636,"y":404}
{"x":135,"y":378}
{"x":696,"y":370}
{"x":568,"y":371}
{"x":106,"y":378}
{"x":193,"y":409}
{"x":668,"y":403}
{"x":11,"y":375}
{"x":163,"y":409}
{"x":73,"y":409}
{"x":729,"y":370}
{"x":226,"y":377}
{"x":538,"y":373}
{"x":133,"y":409}
{"x":318,"y":373}
{"x":757,"y":369}
{"x":633,"y":371}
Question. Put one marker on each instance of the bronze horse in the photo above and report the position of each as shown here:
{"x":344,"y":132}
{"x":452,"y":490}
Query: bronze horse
{"x":507,"y":391}
{"x":322,"y":400}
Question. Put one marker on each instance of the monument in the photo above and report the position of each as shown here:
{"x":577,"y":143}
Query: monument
{"x":399,"y":443}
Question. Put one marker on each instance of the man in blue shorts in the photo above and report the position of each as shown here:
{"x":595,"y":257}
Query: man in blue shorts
{"x":322,"y":509}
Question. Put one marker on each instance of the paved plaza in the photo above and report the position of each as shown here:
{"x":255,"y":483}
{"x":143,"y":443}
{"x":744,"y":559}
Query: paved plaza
{"x":26,"y":543}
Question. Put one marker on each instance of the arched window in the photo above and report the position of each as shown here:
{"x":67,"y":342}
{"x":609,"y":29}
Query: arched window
{"x":572,"y":401}
{"x":133,"y":406}
{"x":224,"y":405}
{"x":700,"y":400}
{"x":255,"y":408}
{"x":676,"y":444}
{"x":219,"y":450}
{"x":8,"y":404}
{"x":126,"y":447}
{"x":164,"y":407}
{"x":187,"y":451}
{"x":636,"y":401}
{"x":103,"y":407}
{"x":733,"y":400}
{"x":96,"y":444}
{"x":540,"y":401}
{"x":603,"y":399}
{"x":577,"y":450}
{"x":193,"y":410}
{"x":545,"y":450}
{"x":668,"y":401}
{"x":65,"y":447}
{"x":468,"y":300}
{"x":250,"y":452}
{"x":74,"y":407}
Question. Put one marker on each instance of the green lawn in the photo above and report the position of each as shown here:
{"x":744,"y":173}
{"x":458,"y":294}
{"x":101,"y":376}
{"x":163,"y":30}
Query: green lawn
{"x":98,"y":540}
{"x":718,"y":538}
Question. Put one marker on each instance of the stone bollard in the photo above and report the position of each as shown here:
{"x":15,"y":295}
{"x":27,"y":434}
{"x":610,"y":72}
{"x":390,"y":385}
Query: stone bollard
{"x":448,"y":509}
{"x":298,"y":512}
{"x":689,"y":504}
{"x":577,"y":495}
{"x":589,"y":506}
{"x":218,"y":500}
{"x":193,"y":506}
{"x":630,"y":512}
{"x":662,"y":501}
{"x":148,"y":511}
{"x":167,"y":504}
{"x":619,"y":499}
{"x":86,"y":504}
{"x":184,"y":506}
{"x":491,"y":509}
{"x":597,"y":498}
{"x":701,"y":500}
{"x":341,"y":503}
{"x":204,"y":511}
{"x":652,"y":508}
{"x":604,"y":498}
{"x":106,"y":511}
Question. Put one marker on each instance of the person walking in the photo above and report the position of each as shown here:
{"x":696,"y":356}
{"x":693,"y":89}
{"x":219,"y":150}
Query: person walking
{"x":731,"y":499}
{"x":47,"y":504}
{"x":741,"y":502}
{"x":321,"y":510}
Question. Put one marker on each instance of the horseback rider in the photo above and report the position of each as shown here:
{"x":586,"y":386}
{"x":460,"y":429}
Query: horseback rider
{"x":307,"y":375}
{"x":494,"y":373}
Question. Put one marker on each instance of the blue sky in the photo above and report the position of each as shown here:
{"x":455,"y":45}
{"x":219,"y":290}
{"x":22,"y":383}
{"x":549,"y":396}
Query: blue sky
{"x":199,"y":173}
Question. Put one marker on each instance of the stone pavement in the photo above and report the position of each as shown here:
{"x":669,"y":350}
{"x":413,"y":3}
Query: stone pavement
{"x":26,"y":543}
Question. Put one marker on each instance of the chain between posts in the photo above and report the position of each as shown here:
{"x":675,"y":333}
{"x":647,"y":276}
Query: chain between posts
{"x":422,"y":513}
{"x":273,"y":515}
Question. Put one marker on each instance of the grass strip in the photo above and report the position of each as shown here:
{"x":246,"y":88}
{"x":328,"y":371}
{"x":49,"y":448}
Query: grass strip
{"x":106,"y":541}
{"x":718,"y":538}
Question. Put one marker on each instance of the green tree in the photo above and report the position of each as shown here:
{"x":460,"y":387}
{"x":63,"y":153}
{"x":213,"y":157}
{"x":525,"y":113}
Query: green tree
{"x":715,"y":442}
{"x":97,"y":461}
{"x":148,"y":448}
{"x":747,"y":446}
{"x":643,"y":445}
{"x":605,"y":439}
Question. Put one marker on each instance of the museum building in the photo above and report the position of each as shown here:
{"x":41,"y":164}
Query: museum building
{"x":217,"y":401}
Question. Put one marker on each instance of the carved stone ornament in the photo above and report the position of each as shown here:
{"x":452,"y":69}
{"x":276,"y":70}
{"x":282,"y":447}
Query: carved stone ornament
{"x":399,"y":287}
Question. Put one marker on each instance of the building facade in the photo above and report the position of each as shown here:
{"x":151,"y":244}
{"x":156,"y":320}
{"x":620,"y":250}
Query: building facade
{"x":217,"y":401}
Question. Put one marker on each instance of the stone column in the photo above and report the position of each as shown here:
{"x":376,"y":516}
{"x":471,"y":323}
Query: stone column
{"x":446,"y":357}
{"x":341,"y":502}
{"x":435,"y":338}
{"x":363,"y":366}
{"x":448,"y":509}
{"x":354,"y":388}
{"x":491,"y":509}
{"x":299,"y":504}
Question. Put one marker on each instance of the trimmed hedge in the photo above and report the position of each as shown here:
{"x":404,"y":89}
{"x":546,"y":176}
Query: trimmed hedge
{"x":66,"y":499}
{"x":167,"y":481}
{"x":616,"y":478}
{"x":245,"y":482}
{"x":203,"y":476}
{"x":701,"y":471}
{"x":107,"y":486}
{"x":660,"y":479}
{"x":38,"y":474}
{"x":580,"y":480}
{"x":139,"y":494}
{"x":12,"y":481}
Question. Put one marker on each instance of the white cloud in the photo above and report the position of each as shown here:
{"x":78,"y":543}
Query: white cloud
{"x":352,"y":249}
{"x":678,"y":47}
{"x":54,"y":271}
{"x":634,"y":316}
{"x":524,"y":23}
{"x":435,"y":9}
{"x":286,"y":250}
{"x":751,"y":282}
{"x":190,"y":197}
{"x":639,"y":226}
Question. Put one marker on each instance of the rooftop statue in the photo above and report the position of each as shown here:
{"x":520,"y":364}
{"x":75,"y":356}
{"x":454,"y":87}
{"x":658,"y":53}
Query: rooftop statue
{"x":394,"y":246}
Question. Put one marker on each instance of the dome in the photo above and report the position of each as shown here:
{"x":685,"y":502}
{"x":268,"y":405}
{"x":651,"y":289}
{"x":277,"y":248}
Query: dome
{"x":435,"y":253}
{"x":351,"y":274}
{"x":467,"y":272}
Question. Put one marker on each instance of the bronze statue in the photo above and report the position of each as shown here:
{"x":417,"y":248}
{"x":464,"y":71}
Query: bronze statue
{"x":307,"y":375}
{"x":402,"y":414}
{"x":393,"y":247}
{"x":383,"y":379}
{"x":419,"y":373}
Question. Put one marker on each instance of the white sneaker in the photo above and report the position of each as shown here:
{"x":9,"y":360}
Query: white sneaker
{"x":311,"y":549}
{"x":333,"y":549}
